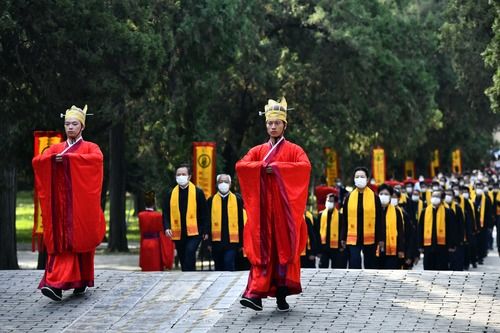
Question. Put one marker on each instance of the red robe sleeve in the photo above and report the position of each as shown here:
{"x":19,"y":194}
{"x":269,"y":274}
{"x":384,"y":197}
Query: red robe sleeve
{"x":279,"y":198}
{"x":249,"y":170}
{"x":293,"y":183}
{"x":70,"y":197}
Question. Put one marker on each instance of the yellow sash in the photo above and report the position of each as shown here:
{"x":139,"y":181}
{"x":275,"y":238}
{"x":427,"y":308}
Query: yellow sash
{"x":175,"y":213}
{"x":497,"y":201}
{"x":369,"y":215}
{"x":482,"y":209}
{"x":391,"y":231}
{"x":403,"y":199}
{"x":420,"y":207}
{"x":232,"y":218}
{"x":309,"y":215}
{"x":427,"y":197}
{"x":441,"y":225}
{"x":334,"y":228}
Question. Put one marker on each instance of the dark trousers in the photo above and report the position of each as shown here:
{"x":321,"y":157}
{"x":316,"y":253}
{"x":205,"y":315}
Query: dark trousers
{"x":186,"y":251}
{"x":224,"y":257}
{"x":457,"y":258}
{"x":389,"y":262}
{"x":498,"y":232}
{"x":305,"y":262}
{"x":489,"y":236}
{"x":436,"y":258}
{"x":467,"y":256}
{"x":473,"y":249}
{"x":338,"y":258}
{"x":482,"y":244}
{"x":369,"y":258}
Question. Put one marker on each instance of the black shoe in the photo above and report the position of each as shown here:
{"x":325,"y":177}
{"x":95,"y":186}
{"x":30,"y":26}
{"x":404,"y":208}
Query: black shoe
{"x":282,"y":304}
{"x":281,"y":294}
{"x":252,"y":303}
{"x":52,"y":293}
{"x":79,"y":291}
{"x":480,"y":262}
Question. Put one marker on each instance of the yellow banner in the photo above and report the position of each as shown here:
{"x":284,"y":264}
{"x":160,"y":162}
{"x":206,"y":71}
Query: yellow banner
{"x":434,"y":167}
{"x":456,"y":161}
{"x":204,"y":154}
{"x":378,"y":165}
{"x":43,"y":140}
{"x":409,"y":169}
{"x":332,"y":166}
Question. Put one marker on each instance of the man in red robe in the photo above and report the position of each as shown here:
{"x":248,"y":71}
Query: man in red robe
{"x":68,"y":178}
{"x":274,"y":179}
{"x":157,"y":250}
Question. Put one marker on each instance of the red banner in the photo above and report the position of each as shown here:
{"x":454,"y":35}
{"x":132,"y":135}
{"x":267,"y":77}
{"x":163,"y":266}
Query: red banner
{"x":43,"y":140}
{"x":378,"y":165}
{"x":332,"y":165}
{"x":204,"y":154}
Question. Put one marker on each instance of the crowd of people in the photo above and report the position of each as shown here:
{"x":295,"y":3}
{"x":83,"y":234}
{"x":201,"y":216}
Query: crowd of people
{"x":450,"y":220}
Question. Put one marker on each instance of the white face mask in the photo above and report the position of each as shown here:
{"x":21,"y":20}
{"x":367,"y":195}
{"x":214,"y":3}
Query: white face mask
{"x":409,"y":190}
{"x":360,"y":182}
{"x":384,"y":199}
{"x":456,"y":193}
{"x":329,"y":205}
{"x":479,"y":191}
{"x":435,"y":201}
{"x":394,"y":201}
{"x":466,"y":196}
{"x":435,"y":188}
{"x":223,"y":187}
{"x":415,"y":198}
{"x":182,"y":180}
{"x":448,"y":199}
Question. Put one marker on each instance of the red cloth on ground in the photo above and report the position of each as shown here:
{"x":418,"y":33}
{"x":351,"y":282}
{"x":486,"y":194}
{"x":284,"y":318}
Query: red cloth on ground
{"x":275,"y":233}
{"x":157,"y":250}
{"x":73,"y":222}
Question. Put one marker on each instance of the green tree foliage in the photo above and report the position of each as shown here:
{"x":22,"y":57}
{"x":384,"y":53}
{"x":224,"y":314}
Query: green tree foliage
{"x":407,"y":75}
{"x":492,"y":59}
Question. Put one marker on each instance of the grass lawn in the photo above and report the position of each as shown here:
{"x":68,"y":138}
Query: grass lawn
{"x":25,"y":211}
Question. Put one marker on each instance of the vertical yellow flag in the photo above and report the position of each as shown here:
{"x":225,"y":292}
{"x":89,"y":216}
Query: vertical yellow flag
{"x":409,"y":169}
{"x":378,"y":165}
{"x":332,"y":165}
{"x":434,"y":167}
{"x":43,"y":140}
{"x":456,"y":161}
{"x":204,"y":154}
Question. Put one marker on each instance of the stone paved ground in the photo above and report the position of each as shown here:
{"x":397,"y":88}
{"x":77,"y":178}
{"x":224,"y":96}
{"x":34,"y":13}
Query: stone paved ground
{"x":125,"y":300}
{"x":333,"y":300}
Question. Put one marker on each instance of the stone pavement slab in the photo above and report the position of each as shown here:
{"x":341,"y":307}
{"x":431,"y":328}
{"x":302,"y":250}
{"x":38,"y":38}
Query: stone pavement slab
{"x":332,"y":301}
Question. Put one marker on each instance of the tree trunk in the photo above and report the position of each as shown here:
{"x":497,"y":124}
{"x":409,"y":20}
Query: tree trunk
{"x":8,"y":189}
{"x":117,"y":224}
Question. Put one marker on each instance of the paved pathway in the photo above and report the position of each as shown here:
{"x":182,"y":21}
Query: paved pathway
{"x":333,"y":300}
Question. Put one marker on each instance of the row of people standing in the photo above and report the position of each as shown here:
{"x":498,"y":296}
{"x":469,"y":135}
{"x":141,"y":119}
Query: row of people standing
{"x":187,"y":219}
{"x":391,"y":228}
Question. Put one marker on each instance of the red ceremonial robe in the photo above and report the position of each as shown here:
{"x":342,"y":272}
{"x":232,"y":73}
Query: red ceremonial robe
{"x":275,"y":233}
{"x":157,"y":250}
{"x":73,"y":222}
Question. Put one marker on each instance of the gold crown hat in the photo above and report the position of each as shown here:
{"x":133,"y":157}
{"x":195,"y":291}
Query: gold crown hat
{"x":275,"y":110}
{"x":76,"y":112}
